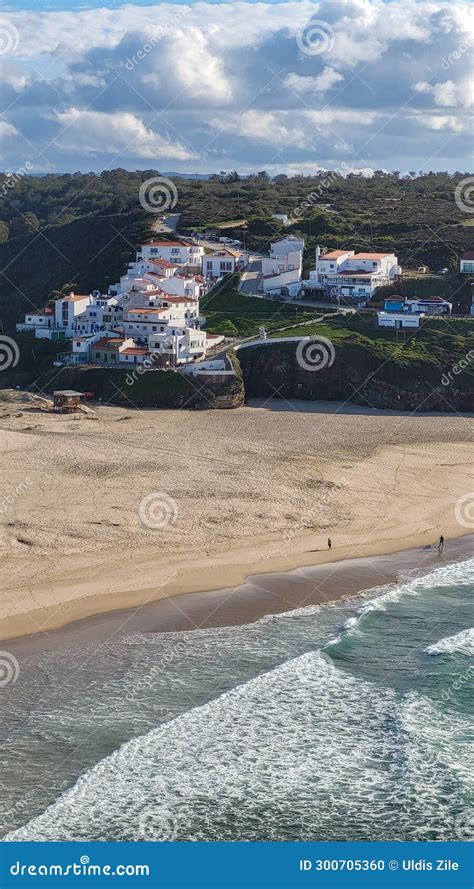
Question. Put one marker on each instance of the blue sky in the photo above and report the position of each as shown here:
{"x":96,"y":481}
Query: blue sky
{"x":293,"y":86}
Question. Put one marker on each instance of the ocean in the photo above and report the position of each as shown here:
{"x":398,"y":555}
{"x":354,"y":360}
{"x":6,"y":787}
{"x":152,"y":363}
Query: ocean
{"x":346,"y":721}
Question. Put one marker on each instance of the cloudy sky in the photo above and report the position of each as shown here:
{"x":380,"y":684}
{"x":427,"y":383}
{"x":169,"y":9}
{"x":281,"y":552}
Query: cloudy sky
{"x":209,"y":86}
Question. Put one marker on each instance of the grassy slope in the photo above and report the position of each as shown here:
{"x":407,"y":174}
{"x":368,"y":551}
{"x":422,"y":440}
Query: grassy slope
{"x":229,"y":311}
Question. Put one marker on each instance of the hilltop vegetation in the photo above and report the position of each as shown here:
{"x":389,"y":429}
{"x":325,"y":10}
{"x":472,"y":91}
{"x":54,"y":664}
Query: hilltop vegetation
{"x":82,"y":229}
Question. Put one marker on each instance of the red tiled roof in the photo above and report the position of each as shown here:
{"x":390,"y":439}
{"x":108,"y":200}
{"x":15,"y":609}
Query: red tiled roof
{"x":335,"y":254}
{"x":147,"y":311}
{"x":134,"y":351}
{"x":164,"y":263}
{"x":166,"y":244}
{"x":179,"y":299}
{"x":72,"y":297}
{"x":468,"y":255}
{"x":107,"y":343}
{"x":371,"y":255}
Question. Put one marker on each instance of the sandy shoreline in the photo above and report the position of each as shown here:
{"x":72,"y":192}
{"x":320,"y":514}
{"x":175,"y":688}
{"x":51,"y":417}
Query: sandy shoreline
{"x":258,"y":596}
{"x":258,"y":490}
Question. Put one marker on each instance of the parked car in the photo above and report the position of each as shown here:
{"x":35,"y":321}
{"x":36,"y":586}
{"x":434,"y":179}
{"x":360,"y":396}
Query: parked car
{"x":443,"y":272}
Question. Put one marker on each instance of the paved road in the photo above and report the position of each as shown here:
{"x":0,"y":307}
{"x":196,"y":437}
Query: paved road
{"x":168,"y":225}
{"x":252,"y":275}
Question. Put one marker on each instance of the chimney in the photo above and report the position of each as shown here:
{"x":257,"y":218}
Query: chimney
{"x":316,"y":267}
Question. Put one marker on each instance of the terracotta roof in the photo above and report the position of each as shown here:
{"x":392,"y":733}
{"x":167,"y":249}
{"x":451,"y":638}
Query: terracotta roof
{"x":335,"y":254}
{"x":75,"y":296}
{"x":430,"y":299}
{"x":107,"y":343}
{"x":166,"y":244}
{"x":468,"y":255}
{"x":371,"y":255}
{"x":134,"y":351}
{"x":147,"y":311}
{"x":165,"y":263}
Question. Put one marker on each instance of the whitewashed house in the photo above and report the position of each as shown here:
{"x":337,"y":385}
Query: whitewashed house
{"x":177,"y":252}
{"x":68,"y":308}
{"x":222,"y":262}
{"x":399,"y":320}
{"x":282,"y":269}
{"x":466,"y":263}
{"x":354,"y":276}
{"x":41,"y":323}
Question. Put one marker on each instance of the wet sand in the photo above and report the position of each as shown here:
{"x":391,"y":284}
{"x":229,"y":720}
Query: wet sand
{"x":260,"y":595}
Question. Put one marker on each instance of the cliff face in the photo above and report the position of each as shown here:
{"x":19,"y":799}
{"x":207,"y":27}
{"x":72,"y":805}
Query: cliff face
{"x":157,"y":388}
{"x":358,"y":374}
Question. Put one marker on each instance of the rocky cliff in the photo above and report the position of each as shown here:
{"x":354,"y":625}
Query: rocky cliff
{"x":359,"y":373}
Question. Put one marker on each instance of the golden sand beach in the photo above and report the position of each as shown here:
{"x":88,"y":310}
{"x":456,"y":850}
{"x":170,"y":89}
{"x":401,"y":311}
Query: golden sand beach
{"x":254,"y":490}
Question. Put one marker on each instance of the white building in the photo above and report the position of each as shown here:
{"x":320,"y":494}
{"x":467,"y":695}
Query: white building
{"x":399,"y":320}
{"x":466,"y":263}
{"x":432,"y":305}
{"x":281,"y":217}
{"x":282,"y":269}
{"x":222,"y":262}
{"x":154,"y":307}
{"x":354,"y":276}
{"x":68,"y":308}
{"x":177,"y":252}
{"x":41,"y":323}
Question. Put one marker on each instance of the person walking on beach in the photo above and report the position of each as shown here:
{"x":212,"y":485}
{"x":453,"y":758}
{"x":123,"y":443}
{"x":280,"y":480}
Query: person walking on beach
{"x":329,"y":543}
{"x":441,"y":544}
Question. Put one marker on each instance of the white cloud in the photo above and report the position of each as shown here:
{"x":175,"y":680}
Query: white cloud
{"x":443,"y":122}
{"x":233,"y":72}
{"x":449,"y":94}
{"x":94,"y":132}
{"x":7,"y":130}
{"x":320,"y":83}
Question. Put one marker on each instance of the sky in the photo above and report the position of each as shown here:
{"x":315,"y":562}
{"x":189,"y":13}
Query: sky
{"x":289,"y":87}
